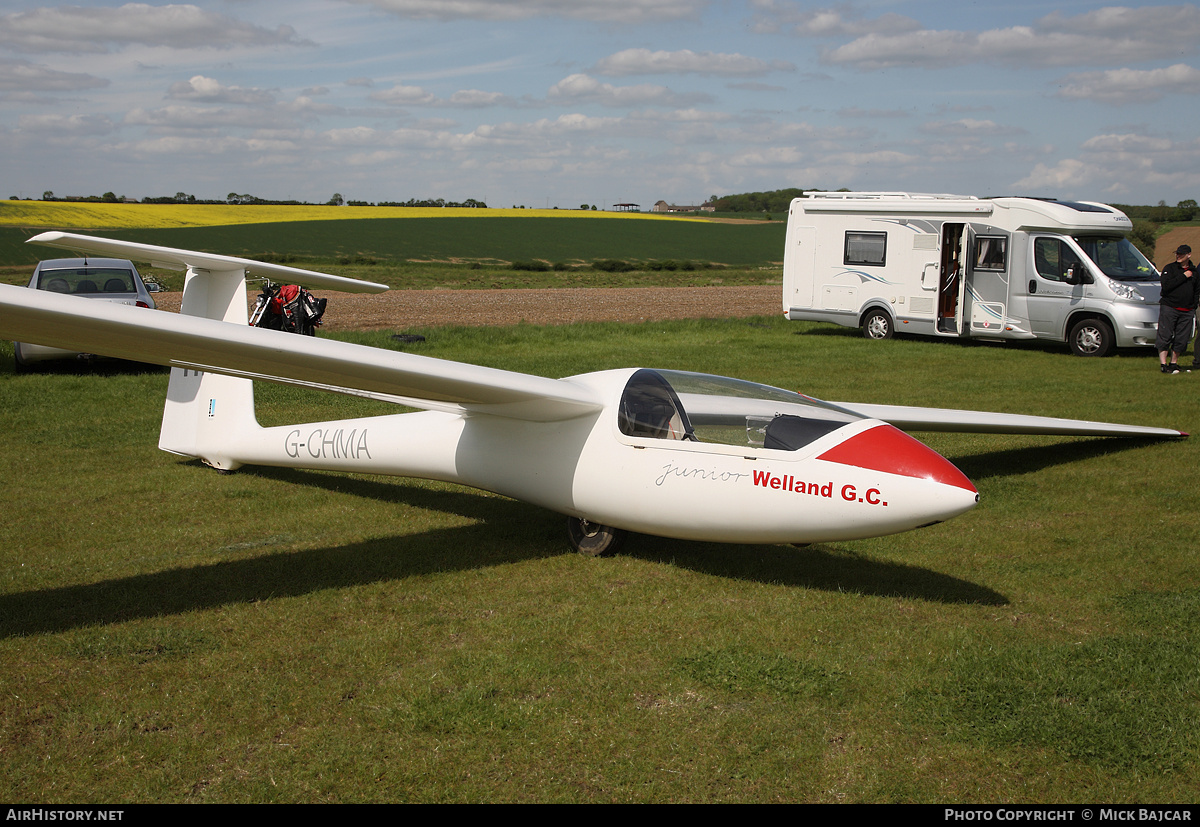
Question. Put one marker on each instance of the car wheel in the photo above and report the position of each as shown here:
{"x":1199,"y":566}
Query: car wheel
{"x":877,"y":324}
{"x":593,"y":539}
{"x":1092,"y":337}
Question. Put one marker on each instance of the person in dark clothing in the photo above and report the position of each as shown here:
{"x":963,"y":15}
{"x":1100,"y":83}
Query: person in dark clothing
{"x":1177,"y":309}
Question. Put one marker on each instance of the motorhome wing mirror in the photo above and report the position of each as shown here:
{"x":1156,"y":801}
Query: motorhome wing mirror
{"x":1077,"y":273}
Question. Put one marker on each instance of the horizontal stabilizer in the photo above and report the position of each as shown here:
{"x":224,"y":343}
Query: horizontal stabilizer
{"x":982,"y":422}
{"x":175,"y":259}
{"x":162,"y":338}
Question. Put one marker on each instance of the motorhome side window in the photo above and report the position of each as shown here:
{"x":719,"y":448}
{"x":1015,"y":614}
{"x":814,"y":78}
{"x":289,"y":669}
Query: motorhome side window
{"x":866,"y":249}
{"x":991,"y":253}
{"x":1053,"y":258}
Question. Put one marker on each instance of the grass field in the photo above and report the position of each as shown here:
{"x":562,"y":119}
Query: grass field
{"x":171,"y":634}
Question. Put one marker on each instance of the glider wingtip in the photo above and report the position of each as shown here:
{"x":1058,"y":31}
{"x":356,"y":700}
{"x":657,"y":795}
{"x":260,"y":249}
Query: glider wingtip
{"x":50,"y":235}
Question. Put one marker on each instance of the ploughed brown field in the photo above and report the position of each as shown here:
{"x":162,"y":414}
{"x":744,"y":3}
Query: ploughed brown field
{"x":1164,"y":248}
{"x":401,"y":309}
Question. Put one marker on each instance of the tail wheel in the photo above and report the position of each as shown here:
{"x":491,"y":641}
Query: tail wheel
{"x":19,"y":364}
{"x":1092,"y":337}
{"x":593,"y":539}
{"x":877,"y":324}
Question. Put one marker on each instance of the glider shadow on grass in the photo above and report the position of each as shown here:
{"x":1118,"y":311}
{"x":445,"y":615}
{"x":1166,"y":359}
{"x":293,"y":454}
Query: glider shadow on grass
{"x":503,"y":531}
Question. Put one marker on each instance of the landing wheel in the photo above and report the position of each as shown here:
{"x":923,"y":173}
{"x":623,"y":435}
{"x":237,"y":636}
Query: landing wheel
{"x":593,"y":539}
{"x":1092,"y":337}
{"x":877,"y":325}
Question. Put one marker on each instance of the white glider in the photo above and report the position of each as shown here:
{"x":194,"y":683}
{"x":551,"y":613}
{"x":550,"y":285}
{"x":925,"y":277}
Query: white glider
{"x":667,"y":453}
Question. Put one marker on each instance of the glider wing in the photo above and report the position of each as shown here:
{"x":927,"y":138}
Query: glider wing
{"x":176,"y":340}
{"x":176,"y":259}
{"x":944,"y":419}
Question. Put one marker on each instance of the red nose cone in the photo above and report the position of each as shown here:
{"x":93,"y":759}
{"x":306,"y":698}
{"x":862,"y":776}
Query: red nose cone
{"x":890,"y":450}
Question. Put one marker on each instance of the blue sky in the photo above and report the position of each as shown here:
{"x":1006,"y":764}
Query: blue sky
{"x":547,"y":103}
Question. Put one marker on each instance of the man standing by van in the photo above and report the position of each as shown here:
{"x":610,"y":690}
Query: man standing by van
{"x":1177,"y":309}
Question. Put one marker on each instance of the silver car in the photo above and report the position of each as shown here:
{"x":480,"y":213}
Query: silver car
{"x":105,"y":279}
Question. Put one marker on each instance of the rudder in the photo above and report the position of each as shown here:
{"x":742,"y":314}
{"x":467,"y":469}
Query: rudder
{"x":206,"y":412}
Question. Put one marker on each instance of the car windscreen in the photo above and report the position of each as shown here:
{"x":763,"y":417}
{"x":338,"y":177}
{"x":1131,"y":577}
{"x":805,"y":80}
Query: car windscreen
{"x":87,"y":280}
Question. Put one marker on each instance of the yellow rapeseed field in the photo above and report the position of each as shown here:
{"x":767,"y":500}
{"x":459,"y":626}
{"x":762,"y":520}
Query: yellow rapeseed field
{"x":61,"y":215}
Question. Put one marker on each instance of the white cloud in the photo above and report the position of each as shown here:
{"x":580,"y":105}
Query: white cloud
{"x":218,"y":146}
{"x":544,"y":128}
{"x":1170,"y":24}
{"x":1105,"y":36}
{"x":580,"y":88}
{"x":475,"y":99}
{"x":23,"y":76}
{"x":353,"y":136}
{"x":756,"y":86}
{"x":400,"y":95}
{"x":1127,"y":143}
{"x":1117,"y":164}
{"x":58,"y":126}
{"x":857,"y":112}
{"x":1121,"y":86}
{"x":970,"y":127}
{"x":627,"y":12}
{"x":885,"y":158}
{"x":207,"y":90}
{"x":1066,"y":174}
{"x":77,"y":29}
{"x":683,"y":116}
{"x":646,"y":62}
{"x":1138,"y":159}
{"x":181,"y":118}
{"x":799,"y":19}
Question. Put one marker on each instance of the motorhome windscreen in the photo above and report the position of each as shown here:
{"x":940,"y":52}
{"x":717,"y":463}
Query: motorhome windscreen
{"x":1117,"y":258}
{"x":678,"y":405}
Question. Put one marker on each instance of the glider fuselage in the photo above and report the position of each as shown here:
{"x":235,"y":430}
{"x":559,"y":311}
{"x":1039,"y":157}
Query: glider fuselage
{"x":587,"y":467}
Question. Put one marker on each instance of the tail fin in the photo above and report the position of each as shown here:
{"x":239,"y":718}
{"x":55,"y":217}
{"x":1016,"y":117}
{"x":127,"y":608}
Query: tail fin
{"x":204,"y":411}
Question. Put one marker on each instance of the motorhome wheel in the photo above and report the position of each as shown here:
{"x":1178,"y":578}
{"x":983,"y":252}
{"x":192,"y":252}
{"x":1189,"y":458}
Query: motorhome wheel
{"x":877,"y":325}
{"x":1092,"y":337}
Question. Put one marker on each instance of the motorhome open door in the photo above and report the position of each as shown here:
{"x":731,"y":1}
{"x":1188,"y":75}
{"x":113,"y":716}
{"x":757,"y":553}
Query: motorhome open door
{"x":951,"y":280}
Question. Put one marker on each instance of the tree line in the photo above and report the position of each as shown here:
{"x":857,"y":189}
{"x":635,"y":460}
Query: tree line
{"x":246,"y":198}
{"x":757,"y":202}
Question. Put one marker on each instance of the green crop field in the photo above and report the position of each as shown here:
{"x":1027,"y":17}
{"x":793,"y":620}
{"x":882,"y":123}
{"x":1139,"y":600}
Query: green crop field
{"x":170,"y":634}
{"x":396,"y":235}
{"x":456,"y":239}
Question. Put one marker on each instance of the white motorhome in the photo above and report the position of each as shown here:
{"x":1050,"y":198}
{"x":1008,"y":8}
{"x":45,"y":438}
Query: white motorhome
{"x":961,"y":266}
